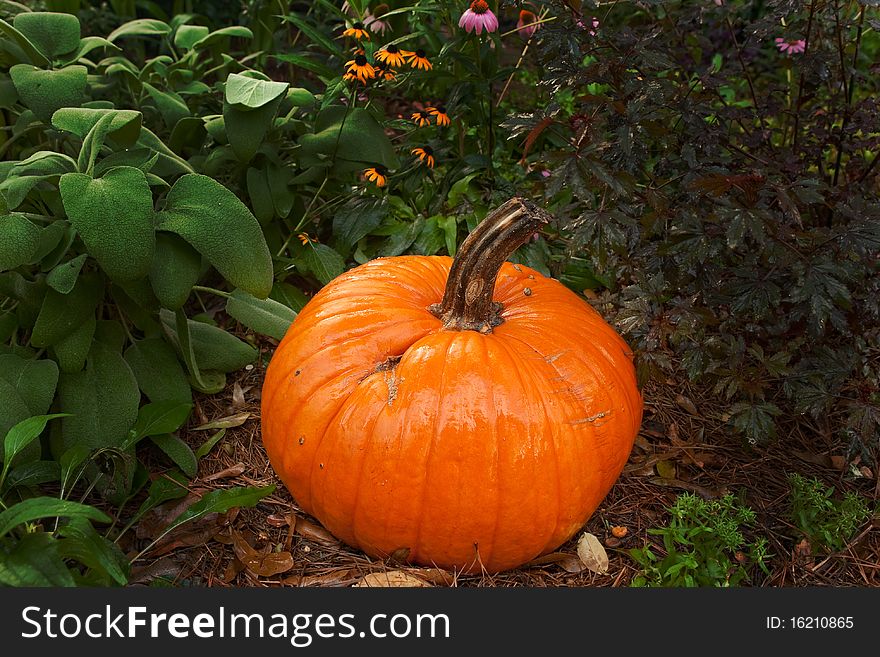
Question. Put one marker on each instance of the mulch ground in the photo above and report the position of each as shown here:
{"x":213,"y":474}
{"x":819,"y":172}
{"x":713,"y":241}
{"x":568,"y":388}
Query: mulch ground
{"x":684,"y":446}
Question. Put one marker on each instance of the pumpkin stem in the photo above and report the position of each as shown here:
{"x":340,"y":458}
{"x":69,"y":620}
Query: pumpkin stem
{"x":467,"y":302}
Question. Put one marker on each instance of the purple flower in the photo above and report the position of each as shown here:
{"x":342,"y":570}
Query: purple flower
{"x":526,"y":25}
{"x":478,"y":17}
{"x":791,"y":46}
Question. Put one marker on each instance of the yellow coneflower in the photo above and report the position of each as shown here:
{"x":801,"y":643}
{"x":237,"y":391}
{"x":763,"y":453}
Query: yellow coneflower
{"x":439,"y":113}
{"x":392,"y":55}
{"x":384,"y":72}
{"x":421,"y":118}
{"x":419,"y":59}
{"x":425,"y":154}
{"x":377,"y":174}
{"x":305,"y":239}
{"x":357,"y":31}
{"x":360,"y":68}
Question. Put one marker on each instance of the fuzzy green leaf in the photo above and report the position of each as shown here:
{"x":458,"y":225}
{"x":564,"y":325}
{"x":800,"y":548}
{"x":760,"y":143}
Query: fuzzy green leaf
{"x":45,"y":91}
{"x":178,"y":451}
{"x":19,"y":239}
{"x":71,"y":351}
{"x":175,"y":269}
{"x":220,"y":227}
{"x":140,"y":27}
{"x":125,"y":127}
{"x":53,"y":34}
{"x":61,"y":314}
{"x":114,"y":217}
{"x":213,"y":348}
{"x":103,"y":401}
{"x":63,"y":277}
{"x":158,"y":371}
{"x":264,"y":316}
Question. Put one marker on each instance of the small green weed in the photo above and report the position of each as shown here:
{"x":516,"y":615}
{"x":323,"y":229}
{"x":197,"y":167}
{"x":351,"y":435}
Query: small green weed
{"x":826,"y":522}
{"x":704,"y":546}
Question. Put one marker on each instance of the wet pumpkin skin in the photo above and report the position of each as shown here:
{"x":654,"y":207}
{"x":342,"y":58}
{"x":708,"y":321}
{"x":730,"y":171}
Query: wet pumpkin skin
{"x":472,"y":450}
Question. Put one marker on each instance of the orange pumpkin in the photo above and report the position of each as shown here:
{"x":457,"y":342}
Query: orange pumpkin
{"x":471,"y":414}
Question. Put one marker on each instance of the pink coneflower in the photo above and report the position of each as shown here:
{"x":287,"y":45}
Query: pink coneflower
{"x":478,"y":17}
{"x":375,"y":24}
{"x":791,"y":46}
{"x":591,"y":25}
{"x":719,"y":2}
{"x":526,"y":26}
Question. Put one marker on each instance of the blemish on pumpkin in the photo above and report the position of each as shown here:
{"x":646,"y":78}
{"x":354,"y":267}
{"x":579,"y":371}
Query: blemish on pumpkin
{"x":552,"y":357}
{"x":321,"y":465}
{"x":302,"y":440}
{"x":527,"y":291}
{"x":517,"y":267}
{"x":389,"y":367}
{"x":297,"y":373}
{"x":592,"y":418}
{"x":531,"y":277}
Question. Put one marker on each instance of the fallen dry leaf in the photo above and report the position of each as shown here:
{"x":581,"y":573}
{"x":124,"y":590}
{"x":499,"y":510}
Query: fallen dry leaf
{"x":592,"y":554}
{"x":166,"y":568}
{"x":308,"y":529}
{"x":803,"y":554}
{"x":225,"y":422}
{"x":338,"y":577}
{"x":263,"y":563}
{"x":237,"y":397}
{"x":154,"y":521}
{"x":702,"y":491}
{"x":569,"y":562}
{"x":666,"y":469}
{"x":612,"y":542}
{"x":277,"y":520}
{"x":392,"y":578}
{"x":642,"y":443}
{"x":400,"y":555}
{"x":816,"y":459}
{"x":231,"y":471}
{"x":686,"y":404}
{"x":838,"y":462}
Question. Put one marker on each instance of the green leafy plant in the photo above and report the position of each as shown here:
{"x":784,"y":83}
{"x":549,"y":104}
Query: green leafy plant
{"x":826,"y":522}
{"x":704,"y":545}
{"x":52,"y":540}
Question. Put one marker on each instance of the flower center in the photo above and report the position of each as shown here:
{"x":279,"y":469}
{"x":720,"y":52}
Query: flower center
{"x":441,"y":109}
{"x":360,"y":60}
{"x":392,"y":49}
{"x":428,"y":150}
{"x":420,"y":53}
{"x":359,"y":26}
{"x":479,"y":6}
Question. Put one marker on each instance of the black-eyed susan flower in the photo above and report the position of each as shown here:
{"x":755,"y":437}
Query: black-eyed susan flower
{"x":384,"y":72}
{"x":377,"y":174}
{"x":425,"y":154}
{"x":421,"y":118}
{"x":360,"y":68}
{"x":419,"y":59}
{"x":305,"y":240}
{"x":439,"y":114}
{"x":392,"y":55}
{"x":357,"y":31}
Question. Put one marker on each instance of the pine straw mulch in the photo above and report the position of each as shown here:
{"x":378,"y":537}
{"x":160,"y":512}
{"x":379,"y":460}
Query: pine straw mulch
{"x":683,"y":446}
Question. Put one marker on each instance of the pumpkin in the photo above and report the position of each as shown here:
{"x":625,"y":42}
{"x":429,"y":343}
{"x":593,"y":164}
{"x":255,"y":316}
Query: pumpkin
{"x":469,"y":413}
